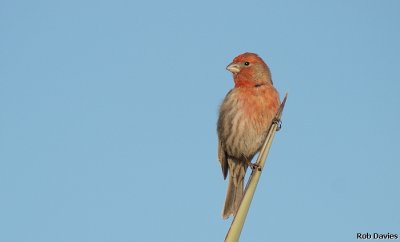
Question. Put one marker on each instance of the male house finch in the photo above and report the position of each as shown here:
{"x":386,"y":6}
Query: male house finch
{"x":244,"y":118}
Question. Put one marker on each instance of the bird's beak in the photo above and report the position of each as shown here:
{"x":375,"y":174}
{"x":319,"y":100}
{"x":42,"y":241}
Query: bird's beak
{"x":233,"y":67}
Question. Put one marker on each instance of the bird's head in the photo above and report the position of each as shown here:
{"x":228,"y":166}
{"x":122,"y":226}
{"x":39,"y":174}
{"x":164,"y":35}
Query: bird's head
{"x":249,"y":69}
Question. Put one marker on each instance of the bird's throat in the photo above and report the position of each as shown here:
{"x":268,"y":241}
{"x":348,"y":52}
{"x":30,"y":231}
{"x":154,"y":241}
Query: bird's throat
{"x":246,"y":83}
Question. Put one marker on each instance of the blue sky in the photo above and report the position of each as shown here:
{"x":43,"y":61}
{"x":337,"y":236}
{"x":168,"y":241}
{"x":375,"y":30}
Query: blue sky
{"x":109,"y":108}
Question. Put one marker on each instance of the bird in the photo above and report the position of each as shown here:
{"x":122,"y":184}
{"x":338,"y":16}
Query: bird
{"x":245,"y":115}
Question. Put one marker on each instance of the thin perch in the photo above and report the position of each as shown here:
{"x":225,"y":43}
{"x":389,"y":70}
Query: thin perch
{"x":234,"y":231}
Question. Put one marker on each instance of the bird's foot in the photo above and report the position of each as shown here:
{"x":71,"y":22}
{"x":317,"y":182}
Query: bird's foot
{"x":278,"y":122}
{"x":254,"y":166}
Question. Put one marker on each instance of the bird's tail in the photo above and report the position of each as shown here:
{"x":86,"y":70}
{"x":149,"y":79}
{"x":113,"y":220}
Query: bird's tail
{"x":235,"y":192}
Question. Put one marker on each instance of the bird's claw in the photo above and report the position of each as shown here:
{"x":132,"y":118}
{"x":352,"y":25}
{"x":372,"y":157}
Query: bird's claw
{"x":255,"y":166}
{"x":278,"y":122}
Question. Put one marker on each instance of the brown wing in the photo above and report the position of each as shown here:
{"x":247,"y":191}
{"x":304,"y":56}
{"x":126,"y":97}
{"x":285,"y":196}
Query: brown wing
{"x":223,"y":160}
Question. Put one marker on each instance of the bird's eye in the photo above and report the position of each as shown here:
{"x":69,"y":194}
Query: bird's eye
{"x":247,"y":63}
